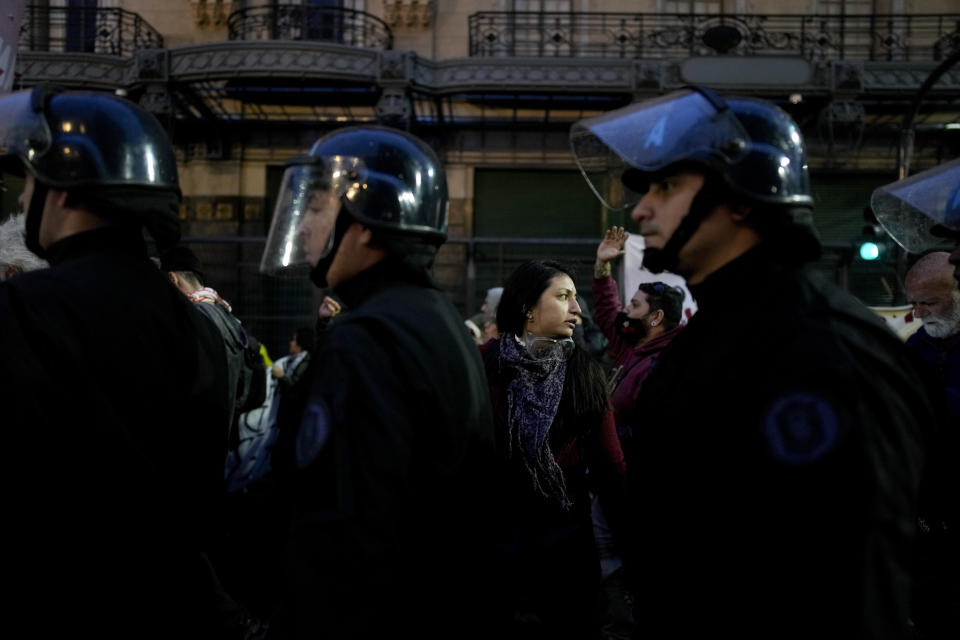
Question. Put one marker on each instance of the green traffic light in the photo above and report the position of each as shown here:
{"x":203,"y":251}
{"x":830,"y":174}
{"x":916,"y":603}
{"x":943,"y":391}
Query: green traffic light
{"x":869,"y":251}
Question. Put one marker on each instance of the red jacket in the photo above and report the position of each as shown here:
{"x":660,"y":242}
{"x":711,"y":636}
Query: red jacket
{"x":631,"y":365}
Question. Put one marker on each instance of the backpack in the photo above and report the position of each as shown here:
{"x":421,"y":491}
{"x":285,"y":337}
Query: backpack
{"x":254,"y":376}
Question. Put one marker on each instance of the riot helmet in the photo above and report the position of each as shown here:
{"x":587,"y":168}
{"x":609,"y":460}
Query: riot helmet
{"x":921,"y":210}
{"x":749,"y":150}
{"x":110,"y":153}
{"x":385,"y":179}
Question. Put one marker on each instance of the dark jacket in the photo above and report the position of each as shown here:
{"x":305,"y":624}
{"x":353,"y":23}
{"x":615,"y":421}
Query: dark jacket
{"x":235,"y":342}
{"x":547,"y":560}
{"x":114,"y":411}
{"x":391,"y":468}
{"x":942,"y":356}
{"x":936,"y":611}
{"x":778,"y":462}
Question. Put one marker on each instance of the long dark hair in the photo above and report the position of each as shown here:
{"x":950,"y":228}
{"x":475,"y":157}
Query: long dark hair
{"x":584,"y":398}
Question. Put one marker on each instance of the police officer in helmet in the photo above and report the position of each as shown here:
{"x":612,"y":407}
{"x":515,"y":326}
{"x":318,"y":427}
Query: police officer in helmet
{"x":778,"y":437}
{"x":386,"y":464}
{"x":114,"y":408}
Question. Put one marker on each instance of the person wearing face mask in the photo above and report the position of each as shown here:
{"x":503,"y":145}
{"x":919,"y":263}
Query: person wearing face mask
{"x":552,"y":421}
{"x":637,"y":332}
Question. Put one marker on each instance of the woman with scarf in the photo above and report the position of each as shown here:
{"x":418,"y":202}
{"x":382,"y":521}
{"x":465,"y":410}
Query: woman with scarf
{"x":557,"y":441}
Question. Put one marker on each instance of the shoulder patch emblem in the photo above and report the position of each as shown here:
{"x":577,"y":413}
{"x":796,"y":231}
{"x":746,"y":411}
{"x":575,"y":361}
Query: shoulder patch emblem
{"x":313,"y":433}
{"x":801,"y":427}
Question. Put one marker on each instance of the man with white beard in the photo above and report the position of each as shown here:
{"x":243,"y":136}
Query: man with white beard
{"x":935,"y":296}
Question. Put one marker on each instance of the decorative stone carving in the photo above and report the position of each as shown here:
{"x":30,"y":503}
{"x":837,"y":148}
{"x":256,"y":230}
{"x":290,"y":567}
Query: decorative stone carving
{"x":395,"y":67}
{"x":151,"y":65}
{"x":157,"y":101}
{"x":394,"y":107}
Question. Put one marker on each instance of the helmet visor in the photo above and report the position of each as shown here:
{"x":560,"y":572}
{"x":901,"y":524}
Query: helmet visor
{"x":309,"y":201}
{"x":24,"y":132}
{"x":921,"y":210}
{"x":650,"y":136}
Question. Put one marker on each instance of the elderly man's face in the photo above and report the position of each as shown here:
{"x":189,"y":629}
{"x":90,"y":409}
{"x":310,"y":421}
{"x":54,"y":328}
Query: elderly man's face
{"x":936,"y":302}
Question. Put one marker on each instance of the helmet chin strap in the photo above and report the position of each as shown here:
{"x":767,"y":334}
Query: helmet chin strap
{"x":34,"y":215}
{"x":665,"y":259}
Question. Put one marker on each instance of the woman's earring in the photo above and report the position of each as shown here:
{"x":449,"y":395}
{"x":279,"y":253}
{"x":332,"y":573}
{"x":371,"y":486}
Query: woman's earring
{"x":653,"y":324}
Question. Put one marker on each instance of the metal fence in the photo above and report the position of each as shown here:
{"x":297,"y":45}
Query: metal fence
{"x":308,"y":22}
{"x":272,"y":307}
{"x":662,"y":36}
{"x":86,"y":29}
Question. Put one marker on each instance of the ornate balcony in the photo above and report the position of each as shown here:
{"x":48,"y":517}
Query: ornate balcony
{"x":664,"y":36}
{"x":310,"y":23}
{"x":86,"y":30}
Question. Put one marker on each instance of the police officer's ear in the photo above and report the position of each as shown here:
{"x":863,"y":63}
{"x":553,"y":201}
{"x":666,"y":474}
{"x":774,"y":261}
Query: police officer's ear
{"x":365,"y":237}
{"x":739,"y":212}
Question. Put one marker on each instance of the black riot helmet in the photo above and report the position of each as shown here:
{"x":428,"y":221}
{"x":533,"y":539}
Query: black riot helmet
{"x":750,"y":151}
{"x":920,"y":211}
{"x":109,"y":153}
{"x":385,"y":179}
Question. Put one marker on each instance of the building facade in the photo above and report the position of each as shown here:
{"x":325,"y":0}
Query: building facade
{"x":493,"y":86}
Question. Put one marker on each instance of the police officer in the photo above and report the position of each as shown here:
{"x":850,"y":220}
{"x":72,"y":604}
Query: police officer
{"x":921,"y":212}
{"x":114,"y":415}
{"x":778,"y":438}
{"x":389,"y":460}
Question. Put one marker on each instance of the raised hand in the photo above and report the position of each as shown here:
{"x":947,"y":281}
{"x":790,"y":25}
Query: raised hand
{"x":611,"y":247}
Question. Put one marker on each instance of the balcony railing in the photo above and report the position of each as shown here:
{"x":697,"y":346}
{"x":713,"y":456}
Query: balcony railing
{"x":312,"y":23}
{"x":86,"y":29}
{"x":658,"y":36}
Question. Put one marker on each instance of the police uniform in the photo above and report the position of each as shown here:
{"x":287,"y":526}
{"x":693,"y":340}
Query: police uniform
{"x":115,"y":412}
{"x":392,"y":457}
{"x":115,"y":417}
{"x":779,"y":447}
{"x":388,"y":467}
{"x":780,"y":437}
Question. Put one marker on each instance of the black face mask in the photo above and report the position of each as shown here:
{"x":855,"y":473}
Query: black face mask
{"x":631,"y":329}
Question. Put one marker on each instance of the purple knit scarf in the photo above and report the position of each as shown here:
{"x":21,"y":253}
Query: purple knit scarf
{"x":532,"y":400}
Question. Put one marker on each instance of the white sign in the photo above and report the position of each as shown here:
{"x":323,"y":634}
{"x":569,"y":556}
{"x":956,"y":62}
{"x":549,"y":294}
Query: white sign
{"x":633,"y":275}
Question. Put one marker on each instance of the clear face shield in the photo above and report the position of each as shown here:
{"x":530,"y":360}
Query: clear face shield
{"x":24,"y":132}
{"x":304,"y":221}
{"x":920,"y":211}
{"x":651,"y":135}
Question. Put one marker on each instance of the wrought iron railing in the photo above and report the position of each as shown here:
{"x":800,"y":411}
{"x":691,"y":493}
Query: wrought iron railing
{"x":313,"y":23}
{"x":87,"y":30}
{"x":656,"y":36}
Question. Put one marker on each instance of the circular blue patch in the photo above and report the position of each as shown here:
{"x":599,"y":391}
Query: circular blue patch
{"x":313,"y":433}
{"x":801,"y":427}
